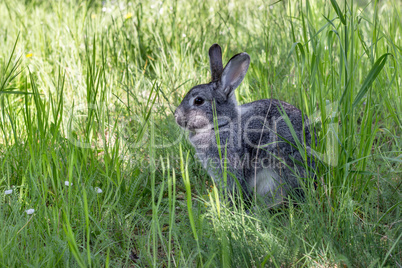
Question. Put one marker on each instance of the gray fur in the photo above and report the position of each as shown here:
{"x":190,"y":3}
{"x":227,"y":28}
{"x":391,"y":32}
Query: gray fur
{"x":255,"y":134}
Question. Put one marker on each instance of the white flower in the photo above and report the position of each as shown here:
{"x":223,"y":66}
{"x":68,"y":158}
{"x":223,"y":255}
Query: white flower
{"x":8,"y":191}
{"x":183,"y":35}
{"x":30,"y":211}
{"x":67,"y":183}
{"x":98,"y":190}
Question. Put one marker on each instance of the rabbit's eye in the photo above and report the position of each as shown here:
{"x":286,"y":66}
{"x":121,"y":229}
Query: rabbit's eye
{"x":198,"y":101}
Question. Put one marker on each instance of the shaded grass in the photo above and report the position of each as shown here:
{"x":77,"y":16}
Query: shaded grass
{"x":93,"y":106}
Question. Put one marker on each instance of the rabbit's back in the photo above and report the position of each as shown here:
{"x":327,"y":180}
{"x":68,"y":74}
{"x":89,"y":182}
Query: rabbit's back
{"x":264,"y":121}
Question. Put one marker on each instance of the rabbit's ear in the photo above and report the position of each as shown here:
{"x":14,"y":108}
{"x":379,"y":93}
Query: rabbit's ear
{"x":234,"y":72}
{"x":215,"y":61}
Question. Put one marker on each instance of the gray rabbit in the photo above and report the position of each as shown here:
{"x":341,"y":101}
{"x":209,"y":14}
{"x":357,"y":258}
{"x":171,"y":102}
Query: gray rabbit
{"x":252,"y":142}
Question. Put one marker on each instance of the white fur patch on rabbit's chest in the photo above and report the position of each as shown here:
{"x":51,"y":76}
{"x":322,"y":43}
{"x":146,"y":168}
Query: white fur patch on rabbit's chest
{"x":264,"y":182}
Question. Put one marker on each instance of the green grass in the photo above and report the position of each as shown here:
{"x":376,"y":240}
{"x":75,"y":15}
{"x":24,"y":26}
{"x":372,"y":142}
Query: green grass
{"x":93,"y":106}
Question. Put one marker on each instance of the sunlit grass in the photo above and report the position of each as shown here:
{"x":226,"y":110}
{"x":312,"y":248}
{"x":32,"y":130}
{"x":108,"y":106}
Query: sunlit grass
{"x":95,"y":172}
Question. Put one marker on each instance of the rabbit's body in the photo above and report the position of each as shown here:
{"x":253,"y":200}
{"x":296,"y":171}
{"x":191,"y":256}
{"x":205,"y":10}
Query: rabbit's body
{"x":255,"y":140}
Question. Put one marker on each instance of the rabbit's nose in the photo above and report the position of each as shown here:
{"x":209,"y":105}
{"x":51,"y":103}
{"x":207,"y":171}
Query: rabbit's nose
{"x":180,"y":119}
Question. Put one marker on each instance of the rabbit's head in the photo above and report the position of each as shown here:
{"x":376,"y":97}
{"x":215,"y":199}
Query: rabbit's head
{"x":196,"y":111}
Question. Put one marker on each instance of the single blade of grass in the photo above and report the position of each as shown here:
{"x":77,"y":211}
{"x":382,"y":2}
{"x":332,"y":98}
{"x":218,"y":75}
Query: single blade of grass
{"x":368,"y":81}
{"x":338,"y":11}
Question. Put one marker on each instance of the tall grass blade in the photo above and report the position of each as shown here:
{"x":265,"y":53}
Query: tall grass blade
{"x":368,"y":81}
{"x":338,"y":11}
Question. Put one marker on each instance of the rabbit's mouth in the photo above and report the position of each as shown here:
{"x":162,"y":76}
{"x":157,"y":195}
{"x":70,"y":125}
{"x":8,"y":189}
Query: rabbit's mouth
{"x":221,"y":124}
{"x":211,"y":127}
